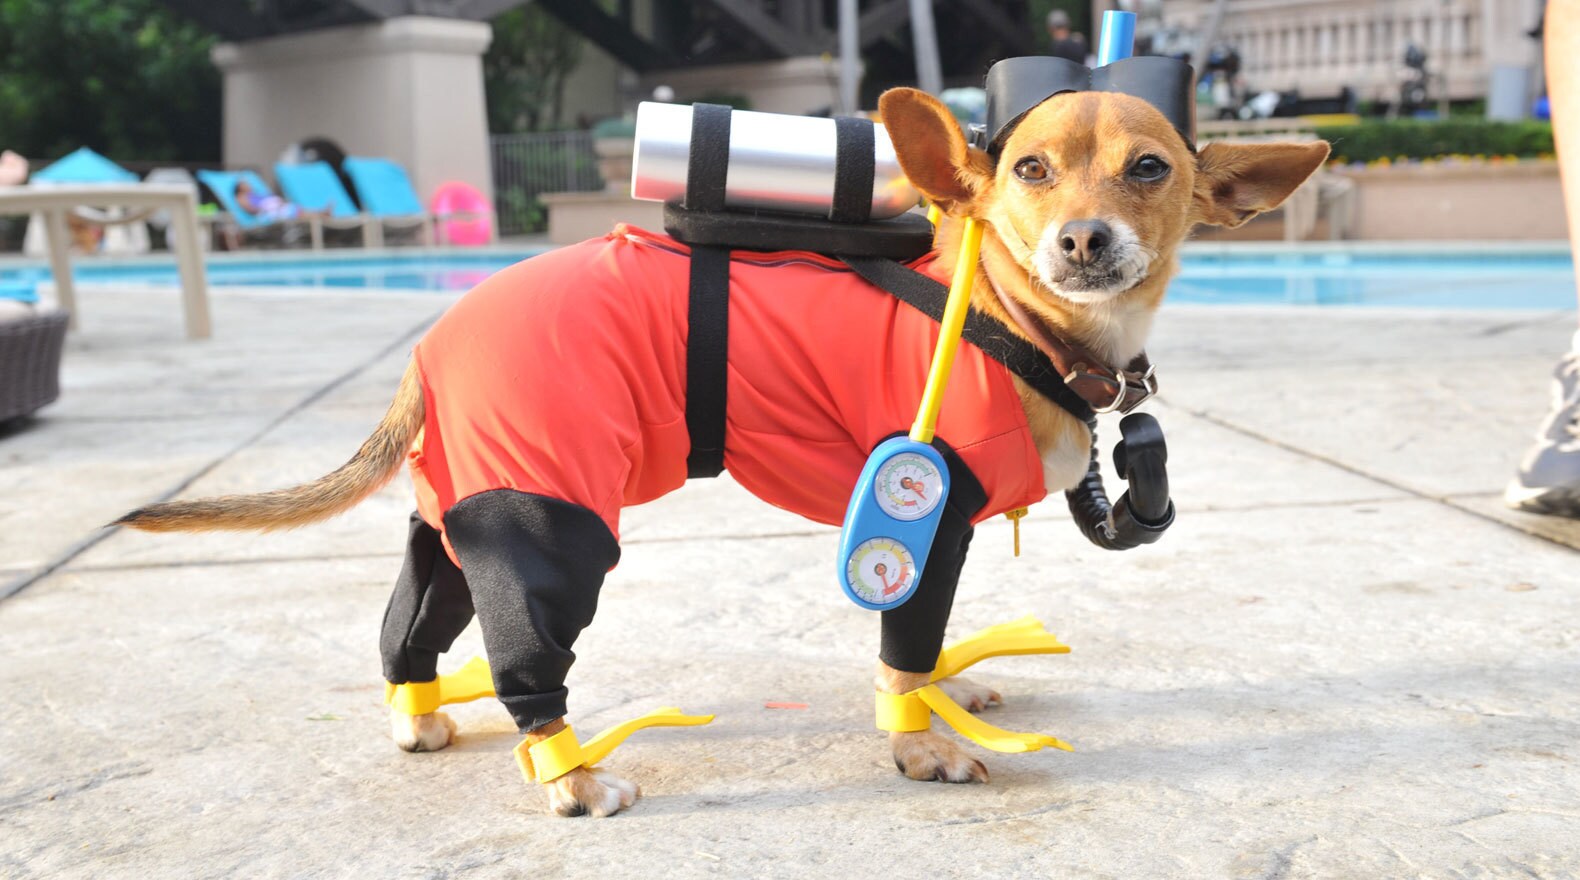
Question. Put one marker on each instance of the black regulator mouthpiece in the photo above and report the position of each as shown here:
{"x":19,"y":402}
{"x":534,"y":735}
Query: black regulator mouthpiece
{"x":1144,"y":512}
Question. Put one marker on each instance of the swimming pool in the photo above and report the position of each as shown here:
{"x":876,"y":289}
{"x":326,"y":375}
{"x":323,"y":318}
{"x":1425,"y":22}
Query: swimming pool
{"x":1453,"y":277}
{"x":1466,"y":277}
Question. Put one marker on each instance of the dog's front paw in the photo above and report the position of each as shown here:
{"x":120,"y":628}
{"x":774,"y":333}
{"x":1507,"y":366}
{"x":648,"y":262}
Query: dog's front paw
{"x":974,"y":697}
{"x":596,"y":793}
{"x":924,"y":755}
{"x":421,"y":733}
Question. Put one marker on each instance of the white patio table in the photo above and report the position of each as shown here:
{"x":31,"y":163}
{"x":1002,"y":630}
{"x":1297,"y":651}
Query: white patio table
{"x":54,"y":201}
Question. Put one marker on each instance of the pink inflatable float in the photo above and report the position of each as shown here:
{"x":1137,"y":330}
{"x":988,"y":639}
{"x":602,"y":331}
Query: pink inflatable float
{"x":462,"y":215}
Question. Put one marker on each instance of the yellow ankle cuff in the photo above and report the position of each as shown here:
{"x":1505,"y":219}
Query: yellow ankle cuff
{"x":549,"y":759}
{"x":472,"y":681}
{"x":413,"y":697}
{"x":902,"y":712}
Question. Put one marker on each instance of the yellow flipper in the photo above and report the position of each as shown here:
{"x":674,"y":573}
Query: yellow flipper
{"x":1023,"y":636}
{"x":558,"y":755}
{"x":982,"y":733}
{"x":472,"y":681}
{"x":914,"y":711}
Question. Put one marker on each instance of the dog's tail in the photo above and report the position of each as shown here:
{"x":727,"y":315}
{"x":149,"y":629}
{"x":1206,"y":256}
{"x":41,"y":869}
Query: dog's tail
{"x":374,"y":465}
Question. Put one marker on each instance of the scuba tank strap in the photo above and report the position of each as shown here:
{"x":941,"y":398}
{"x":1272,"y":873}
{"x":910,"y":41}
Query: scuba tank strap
{"x":708,"y":316}
{"x":927,"y":295}
{"x":854,"y":168}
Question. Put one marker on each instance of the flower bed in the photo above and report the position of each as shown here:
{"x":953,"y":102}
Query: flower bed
{"x":1405,"y":140}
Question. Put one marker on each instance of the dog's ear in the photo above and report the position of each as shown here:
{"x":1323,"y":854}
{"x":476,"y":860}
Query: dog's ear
{"x":932,"y":149}
{"x":1235,"y":182}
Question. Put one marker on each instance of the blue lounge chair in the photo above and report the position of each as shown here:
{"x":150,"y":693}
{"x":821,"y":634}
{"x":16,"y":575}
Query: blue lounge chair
{"x":223,"y":185}
{"x":386,"y":193}
{"x":315,"y":184}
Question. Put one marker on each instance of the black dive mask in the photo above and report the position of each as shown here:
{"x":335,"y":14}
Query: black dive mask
{"x":1016,"y":85}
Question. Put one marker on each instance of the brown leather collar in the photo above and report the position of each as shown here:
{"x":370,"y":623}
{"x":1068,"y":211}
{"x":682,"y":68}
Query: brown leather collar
{"x":1101,"y":386}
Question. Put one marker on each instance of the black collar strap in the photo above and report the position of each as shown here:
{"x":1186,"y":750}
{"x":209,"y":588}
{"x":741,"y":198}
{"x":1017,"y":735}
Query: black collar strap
{"x":1016,"y":85}
{"x":1020,"y":357}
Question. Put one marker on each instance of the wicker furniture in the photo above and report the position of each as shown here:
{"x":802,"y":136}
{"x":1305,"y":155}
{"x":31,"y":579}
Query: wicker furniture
{"x":30,"y":362}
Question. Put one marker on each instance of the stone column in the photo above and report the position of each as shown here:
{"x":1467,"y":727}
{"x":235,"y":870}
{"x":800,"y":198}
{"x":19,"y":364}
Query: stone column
{"x":408,"y":89}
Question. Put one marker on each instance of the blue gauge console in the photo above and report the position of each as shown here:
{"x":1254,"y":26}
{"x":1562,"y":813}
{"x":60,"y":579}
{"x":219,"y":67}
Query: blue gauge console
{"x":890,"y":524}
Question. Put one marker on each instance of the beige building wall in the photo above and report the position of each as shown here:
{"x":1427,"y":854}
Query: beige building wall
{"x":409,"y":89}
{"x":1320,"y":46}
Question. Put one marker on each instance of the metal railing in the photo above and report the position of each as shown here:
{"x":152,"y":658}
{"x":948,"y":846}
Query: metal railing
{"x":528,"y":165}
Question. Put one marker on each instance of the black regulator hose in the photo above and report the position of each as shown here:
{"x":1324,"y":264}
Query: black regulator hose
{"x":1144,"y":512}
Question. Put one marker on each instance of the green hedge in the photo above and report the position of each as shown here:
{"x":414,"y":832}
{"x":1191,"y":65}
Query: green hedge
{"x":1415,"y":139}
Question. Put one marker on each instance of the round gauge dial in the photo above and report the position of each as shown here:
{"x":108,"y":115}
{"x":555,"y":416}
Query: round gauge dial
{"x":881,"y":571}
{"x":908,"y":486}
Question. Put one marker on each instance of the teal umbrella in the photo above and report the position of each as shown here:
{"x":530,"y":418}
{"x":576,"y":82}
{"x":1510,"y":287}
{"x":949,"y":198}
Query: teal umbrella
{"x":85,"y":166}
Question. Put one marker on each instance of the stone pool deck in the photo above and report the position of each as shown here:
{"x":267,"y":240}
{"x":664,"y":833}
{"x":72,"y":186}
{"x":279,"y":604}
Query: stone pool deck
{"x":1347,"y":659}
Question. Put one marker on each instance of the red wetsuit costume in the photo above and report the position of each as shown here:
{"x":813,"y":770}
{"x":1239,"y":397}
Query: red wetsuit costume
{"x":565,"y":376}
{"x":562,"y":381}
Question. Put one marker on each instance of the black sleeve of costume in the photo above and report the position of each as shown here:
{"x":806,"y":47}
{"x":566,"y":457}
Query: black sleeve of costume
{"x":913,"y":633}
{"x":534,"y":565}
{"x":430,"y":607}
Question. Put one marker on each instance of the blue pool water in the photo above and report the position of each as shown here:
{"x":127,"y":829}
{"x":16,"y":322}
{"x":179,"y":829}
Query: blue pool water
{"x":1516,"y":279}
{"x":1440,"y":278}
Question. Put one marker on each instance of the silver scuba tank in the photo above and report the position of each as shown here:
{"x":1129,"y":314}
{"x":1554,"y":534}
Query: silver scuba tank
{"x":777,"y":162}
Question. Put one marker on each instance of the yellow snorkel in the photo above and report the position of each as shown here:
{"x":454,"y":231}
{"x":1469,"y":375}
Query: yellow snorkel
{"x":955,"y":311}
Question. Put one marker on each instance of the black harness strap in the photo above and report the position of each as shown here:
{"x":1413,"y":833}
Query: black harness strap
{"x":1020,"y":357}
{"x":708,"y":341}
{"x":707,"y":350}
{"x":854,"y":141}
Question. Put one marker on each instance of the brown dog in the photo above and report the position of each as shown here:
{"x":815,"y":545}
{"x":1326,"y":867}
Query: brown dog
{"x":1084,"y":211}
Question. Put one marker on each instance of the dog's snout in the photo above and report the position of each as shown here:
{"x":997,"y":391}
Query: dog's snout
{"x":1083,"y":241}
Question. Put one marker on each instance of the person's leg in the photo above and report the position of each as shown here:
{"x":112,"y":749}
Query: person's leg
{"x":1549,"y":477}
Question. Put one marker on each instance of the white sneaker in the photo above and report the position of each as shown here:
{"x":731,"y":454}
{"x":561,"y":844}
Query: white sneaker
{"x":1549,"y":477}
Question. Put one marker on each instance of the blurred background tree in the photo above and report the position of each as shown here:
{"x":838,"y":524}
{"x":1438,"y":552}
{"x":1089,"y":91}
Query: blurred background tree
{"x":125,"y":77}
{"x":525,"y":69}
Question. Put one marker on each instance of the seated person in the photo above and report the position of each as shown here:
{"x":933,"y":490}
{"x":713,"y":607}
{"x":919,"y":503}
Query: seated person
{"x":267,"y":205}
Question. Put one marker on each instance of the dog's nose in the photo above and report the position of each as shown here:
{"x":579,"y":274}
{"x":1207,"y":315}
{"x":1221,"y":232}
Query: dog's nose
{"x":1083,"y":241}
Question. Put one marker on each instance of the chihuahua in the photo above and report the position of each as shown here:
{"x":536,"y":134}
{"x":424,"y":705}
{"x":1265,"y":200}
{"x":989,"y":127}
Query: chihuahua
{"x":552,"y":396}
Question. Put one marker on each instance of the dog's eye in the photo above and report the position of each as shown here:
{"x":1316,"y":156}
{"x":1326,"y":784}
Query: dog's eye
{"x":1031,"y":170}
{"x":1148,"y":169}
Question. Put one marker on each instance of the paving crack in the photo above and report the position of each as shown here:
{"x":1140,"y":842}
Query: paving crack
{"x":16,"y":585}
{"x":1446,"y":500}
{"x":229,"y":563}
{"x":35,"y":796}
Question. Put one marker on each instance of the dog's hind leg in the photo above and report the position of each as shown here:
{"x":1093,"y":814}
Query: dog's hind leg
{"x":429,"y":608}
{"x":913,"y":636}
{"x":535,"y":565}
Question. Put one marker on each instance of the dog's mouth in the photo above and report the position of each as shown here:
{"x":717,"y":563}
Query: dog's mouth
{"x":1125,"y":263}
